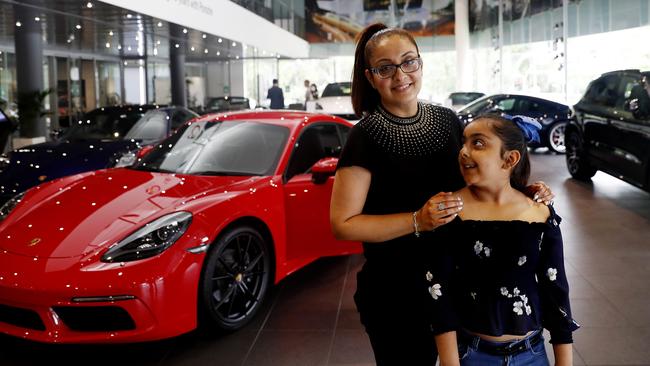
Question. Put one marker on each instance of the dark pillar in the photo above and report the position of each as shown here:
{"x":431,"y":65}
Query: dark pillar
{"x":29,"y":70}
{"x":177,"y":64}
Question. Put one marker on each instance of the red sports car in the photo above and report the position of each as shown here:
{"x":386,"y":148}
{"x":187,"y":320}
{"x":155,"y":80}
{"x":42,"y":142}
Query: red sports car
{"x":196,"y":231}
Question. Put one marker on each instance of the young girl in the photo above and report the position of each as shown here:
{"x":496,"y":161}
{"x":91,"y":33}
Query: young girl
{"x":500,"y":278}
{"x":386,"y":193}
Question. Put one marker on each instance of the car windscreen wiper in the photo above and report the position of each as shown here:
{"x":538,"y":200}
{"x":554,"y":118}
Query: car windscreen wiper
{"x":222,"y":173}
{"x":152,"y":169}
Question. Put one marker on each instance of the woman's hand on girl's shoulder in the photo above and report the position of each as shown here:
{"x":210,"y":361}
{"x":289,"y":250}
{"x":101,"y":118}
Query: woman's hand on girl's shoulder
{"x":439,"y":210}
{"x":540,"y":192}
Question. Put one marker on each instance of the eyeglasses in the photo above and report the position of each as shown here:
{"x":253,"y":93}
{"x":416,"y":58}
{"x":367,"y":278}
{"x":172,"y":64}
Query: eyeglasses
{"x":387,"y":71}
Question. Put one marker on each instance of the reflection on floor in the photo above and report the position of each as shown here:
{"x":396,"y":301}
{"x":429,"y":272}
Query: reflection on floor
{"x":311,"y":319}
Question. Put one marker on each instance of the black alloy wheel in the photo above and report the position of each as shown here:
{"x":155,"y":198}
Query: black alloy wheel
{"x":235,"y":278}
{"x":556,"y":137}
{"x":576,"y":163}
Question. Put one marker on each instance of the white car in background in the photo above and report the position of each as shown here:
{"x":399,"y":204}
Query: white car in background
{"x":335,"y":100}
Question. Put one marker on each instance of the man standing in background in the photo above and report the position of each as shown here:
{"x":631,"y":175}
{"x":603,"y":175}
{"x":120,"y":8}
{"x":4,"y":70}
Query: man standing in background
{"x":276,"y":96}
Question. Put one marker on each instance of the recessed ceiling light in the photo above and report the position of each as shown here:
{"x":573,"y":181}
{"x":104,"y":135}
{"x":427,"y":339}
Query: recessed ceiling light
{"x":89,"y":4}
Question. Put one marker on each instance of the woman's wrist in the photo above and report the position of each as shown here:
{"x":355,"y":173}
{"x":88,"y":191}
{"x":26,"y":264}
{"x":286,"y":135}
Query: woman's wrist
{"x":416,"y":226}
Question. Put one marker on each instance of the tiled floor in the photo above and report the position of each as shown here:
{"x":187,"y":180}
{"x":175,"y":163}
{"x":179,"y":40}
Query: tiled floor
{"x":310,"y":318}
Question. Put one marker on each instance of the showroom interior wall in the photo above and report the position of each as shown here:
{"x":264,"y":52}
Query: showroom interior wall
{"x":528,"y":58}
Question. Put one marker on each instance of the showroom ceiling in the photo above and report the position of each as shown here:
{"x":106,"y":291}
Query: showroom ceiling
{"x":105,"y":30}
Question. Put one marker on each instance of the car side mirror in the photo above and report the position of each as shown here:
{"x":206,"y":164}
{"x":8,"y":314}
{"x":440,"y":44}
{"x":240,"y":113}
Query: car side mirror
{"x":323,"y":169}
{"x":56,"y":133}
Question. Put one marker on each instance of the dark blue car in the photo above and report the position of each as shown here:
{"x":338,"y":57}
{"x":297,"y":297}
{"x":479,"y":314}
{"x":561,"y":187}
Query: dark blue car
{"x":551,"y":115}
{"x":104,"y":137}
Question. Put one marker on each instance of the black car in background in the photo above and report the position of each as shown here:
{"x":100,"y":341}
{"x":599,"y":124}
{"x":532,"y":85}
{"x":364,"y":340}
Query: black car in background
{"x":551,"y":115}
{"x":458,"y":100}
{"x":226,"y":103}
{"x":610,"y":130}
{"x":104,"y":137}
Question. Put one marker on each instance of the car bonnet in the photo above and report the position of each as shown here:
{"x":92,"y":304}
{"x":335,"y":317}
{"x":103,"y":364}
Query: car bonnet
{"x":74,"y":217}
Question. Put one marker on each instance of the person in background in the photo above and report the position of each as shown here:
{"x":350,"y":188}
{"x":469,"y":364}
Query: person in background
{"x":392,"y":189}
{"x":276,"y":95}
{"x":499,"y":276}
{"x":313,"y":89}
{"x":308,"y":95}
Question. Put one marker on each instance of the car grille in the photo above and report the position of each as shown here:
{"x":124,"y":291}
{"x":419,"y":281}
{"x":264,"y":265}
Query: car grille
{"x":95,"y":318}
{"x":23,"y":318}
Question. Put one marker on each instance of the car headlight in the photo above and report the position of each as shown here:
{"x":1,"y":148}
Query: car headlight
{"x":4,"y":161}
{"x":150,"y":240}
{"x":9,"y":206}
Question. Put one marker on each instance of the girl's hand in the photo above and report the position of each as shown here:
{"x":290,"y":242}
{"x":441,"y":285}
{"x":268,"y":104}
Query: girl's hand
{"x":540,"y":192}
{"x":439,"y":210}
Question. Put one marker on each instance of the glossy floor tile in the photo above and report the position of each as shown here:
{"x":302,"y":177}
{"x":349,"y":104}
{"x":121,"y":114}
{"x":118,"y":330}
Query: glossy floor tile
{"x":310,"y":318}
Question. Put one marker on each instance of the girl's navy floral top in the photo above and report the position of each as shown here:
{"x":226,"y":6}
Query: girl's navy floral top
{"x":499,"y":277}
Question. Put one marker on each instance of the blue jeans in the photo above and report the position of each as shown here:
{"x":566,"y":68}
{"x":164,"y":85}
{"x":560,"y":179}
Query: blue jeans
{"x":473,"y":352}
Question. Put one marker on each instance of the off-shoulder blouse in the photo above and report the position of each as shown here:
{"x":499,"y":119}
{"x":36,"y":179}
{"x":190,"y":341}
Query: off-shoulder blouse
{"x":499,"y":277}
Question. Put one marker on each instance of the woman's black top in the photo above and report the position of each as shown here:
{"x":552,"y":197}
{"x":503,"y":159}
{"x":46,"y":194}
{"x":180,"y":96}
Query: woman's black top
{"x":499,"y":277}
{"x":410,"y":160}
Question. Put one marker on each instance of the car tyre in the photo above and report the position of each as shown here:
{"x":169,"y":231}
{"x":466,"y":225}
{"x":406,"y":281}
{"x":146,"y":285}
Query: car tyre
{"x":576,"y":162}
{"x":235,"y":279}
{"x":556,"y":137}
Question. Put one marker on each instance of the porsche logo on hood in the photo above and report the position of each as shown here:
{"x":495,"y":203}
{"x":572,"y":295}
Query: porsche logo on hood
{"x":33,"y":242}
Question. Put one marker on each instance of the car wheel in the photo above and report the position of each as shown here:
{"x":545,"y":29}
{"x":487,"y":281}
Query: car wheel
{"x":235,"y":279}
{"x":556,"y":137}
{"x":576,"y":163}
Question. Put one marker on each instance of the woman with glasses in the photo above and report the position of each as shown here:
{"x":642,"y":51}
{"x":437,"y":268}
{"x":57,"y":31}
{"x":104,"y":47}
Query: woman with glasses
{"x":392,"y":189}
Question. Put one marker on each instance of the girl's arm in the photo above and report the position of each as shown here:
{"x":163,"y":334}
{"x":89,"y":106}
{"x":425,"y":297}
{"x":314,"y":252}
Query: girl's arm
{"x":563,"y":354}
{"x":447,"y":349}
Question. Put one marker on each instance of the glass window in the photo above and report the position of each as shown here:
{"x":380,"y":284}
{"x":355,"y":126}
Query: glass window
{"x":219,"y":148}
{"x":181,"y":116}
{"x":602,"y":91}
{"x":150,"y":128}
{"x":315,"y":142}
{"x":506,"y":105}
{"x":337,"y":90}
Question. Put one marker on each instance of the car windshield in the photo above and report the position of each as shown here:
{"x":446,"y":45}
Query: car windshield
{"x":337,"y":90}
{"x":464,"y":98}
{"x":477,"y":106}
{"x":106,"y":124}
{"x":219,"y":148}
{"x":152,"y":127}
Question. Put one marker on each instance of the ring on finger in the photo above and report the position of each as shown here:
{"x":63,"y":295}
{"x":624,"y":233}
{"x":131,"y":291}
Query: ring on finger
{"x":441,"y":206}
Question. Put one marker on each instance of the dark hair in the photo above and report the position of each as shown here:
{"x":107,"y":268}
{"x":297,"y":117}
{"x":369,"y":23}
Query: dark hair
{"x":364,"y":97}
{"x":513,"y":139}
{"x":275,"y":81}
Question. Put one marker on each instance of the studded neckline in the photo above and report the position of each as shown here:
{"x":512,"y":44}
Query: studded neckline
{"x":400,"y":120}
{"x":421,"y":135}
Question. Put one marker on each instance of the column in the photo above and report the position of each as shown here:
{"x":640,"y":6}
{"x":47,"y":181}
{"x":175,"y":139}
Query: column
{"x":461,"y":39}
{"x":29,"y":71}
{"x":177,"y":44}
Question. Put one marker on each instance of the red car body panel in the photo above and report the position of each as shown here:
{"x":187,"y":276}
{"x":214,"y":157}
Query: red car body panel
{"x":51,"y":244}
